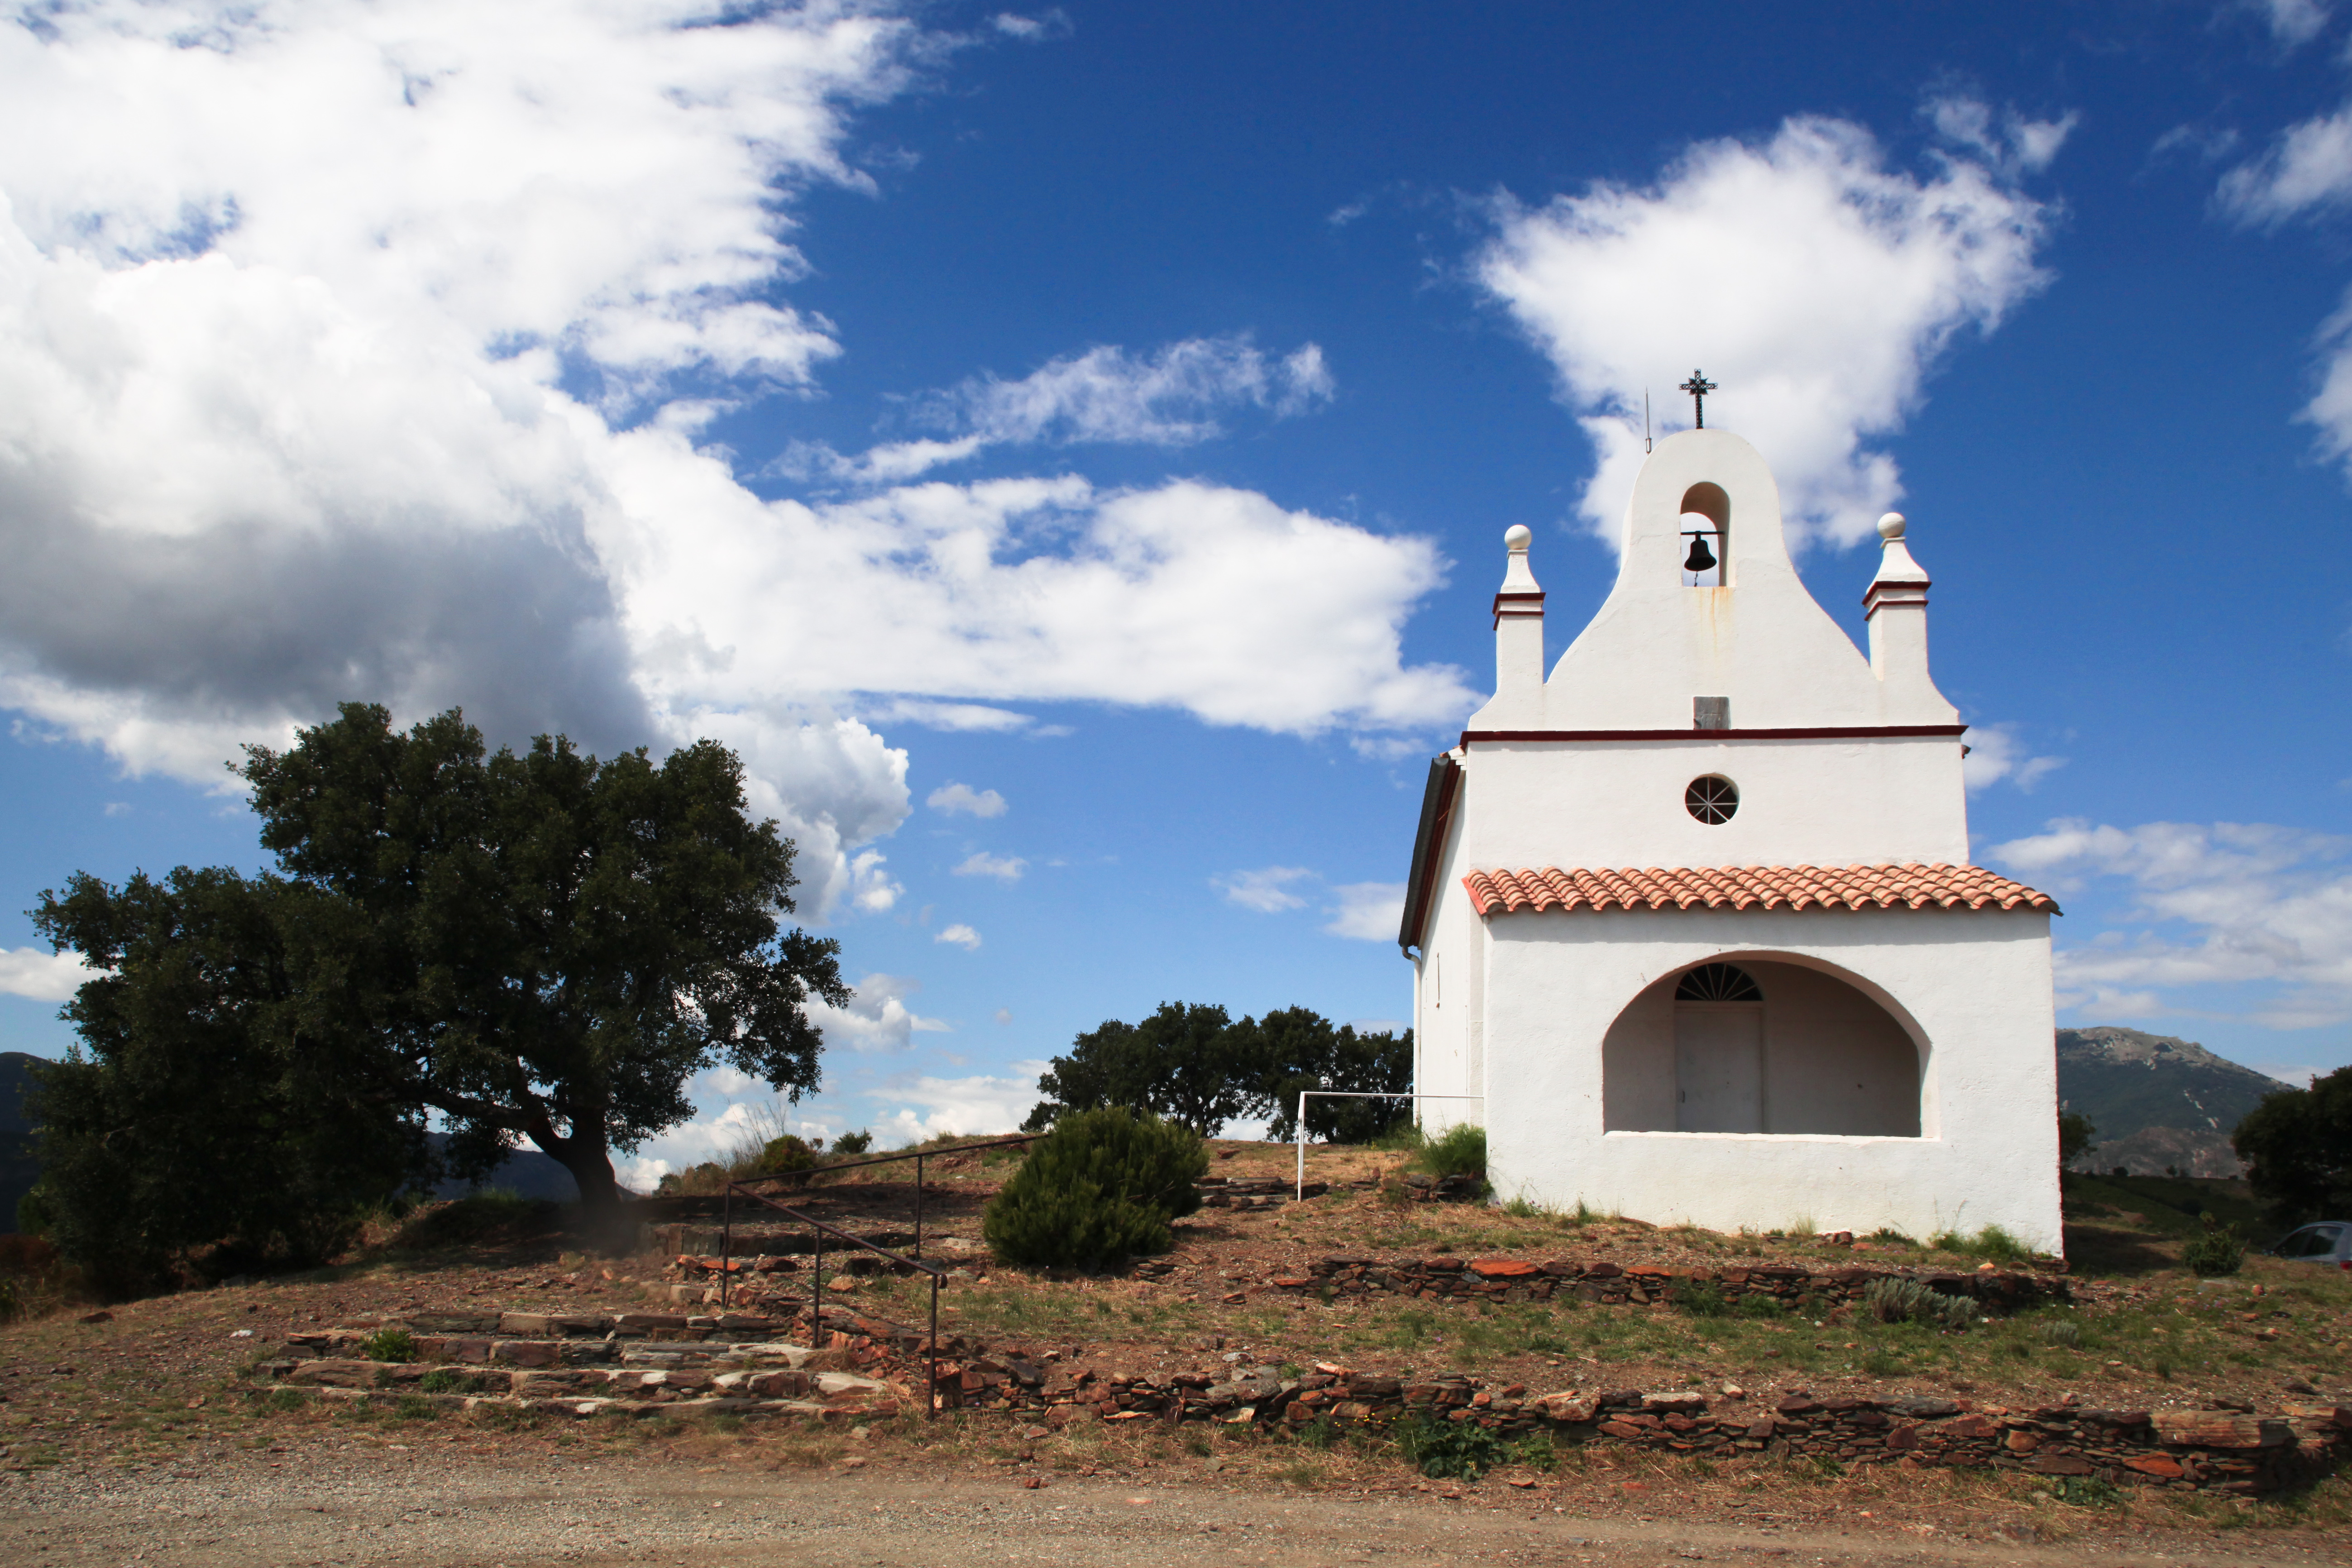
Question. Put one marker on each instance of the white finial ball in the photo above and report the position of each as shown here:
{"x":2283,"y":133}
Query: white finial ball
{"x":1890,"y":527}
{"x":1518,"y":536}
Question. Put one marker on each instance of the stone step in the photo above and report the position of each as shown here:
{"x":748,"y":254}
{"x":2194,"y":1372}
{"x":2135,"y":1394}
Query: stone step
{"x":454,"y":1403}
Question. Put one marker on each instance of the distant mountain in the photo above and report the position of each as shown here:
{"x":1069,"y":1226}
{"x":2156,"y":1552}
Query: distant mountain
{"x":526,"y":1172}
{"x":2158,"y":1102}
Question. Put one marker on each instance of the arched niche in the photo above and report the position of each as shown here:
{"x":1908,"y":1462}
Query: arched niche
{"x":1802,"y":1048}
{"x":1706,"y":505}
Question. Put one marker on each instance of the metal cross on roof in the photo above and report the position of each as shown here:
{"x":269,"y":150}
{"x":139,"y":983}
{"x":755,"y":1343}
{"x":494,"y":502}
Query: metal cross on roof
{"x":1699,"y":387}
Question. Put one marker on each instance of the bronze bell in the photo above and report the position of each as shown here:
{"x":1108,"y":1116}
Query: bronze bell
{"x":1700,"y":559}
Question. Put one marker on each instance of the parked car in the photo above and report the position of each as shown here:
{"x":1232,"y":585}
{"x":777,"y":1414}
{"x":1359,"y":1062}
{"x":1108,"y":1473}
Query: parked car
{"x":2328,"y":1244}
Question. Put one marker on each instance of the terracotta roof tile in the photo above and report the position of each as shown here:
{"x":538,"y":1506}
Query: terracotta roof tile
{"x":1911,"y":885}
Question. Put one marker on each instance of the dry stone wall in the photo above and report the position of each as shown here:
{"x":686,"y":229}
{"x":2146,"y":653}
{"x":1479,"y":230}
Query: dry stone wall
{"x":1522,"y":1279}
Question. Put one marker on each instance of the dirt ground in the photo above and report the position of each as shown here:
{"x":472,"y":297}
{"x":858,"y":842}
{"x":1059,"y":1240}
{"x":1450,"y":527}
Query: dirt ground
{"x":138,"y":1438}
{"x":355,"y":1499}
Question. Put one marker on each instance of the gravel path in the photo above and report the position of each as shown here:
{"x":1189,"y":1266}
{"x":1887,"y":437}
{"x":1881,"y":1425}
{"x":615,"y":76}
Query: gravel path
{"x":357,"y":1502}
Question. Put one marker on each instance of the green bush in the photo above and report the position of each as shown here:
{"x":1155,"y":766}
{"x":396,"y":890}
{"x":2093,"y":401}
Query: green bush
{"x":389,"y":1344}
{"x":1992,"y":1244}
{"x":2218,"y":1249}
{"x":850,"y":1144}
{"x":1459,"y":1151}
{"x":1893,"y":1300}
{"x":786,"y":1154}
{"x":1449,"y":1450}
{"x":1099,"y":1188}
{"x":1704,"y":1299}
{"x":450,"y":1380}
{"x":2060,"y":1334}
{"x":1758,"y":1305}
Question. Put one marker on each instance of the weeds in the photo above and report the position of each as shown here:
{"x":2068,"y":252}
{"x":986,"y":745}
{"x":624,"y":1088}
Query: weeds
{"x":1702,"y":1300}
{"x":389,"y":1344}
{"x":1894,"y":1301}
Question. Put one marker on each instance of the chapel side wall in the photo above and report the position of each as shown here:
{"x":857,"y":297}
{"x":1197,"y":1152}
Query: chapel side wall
{"x":1619,"y":803}
{"x":1452,"y":982}
{"x":1976,"y":982}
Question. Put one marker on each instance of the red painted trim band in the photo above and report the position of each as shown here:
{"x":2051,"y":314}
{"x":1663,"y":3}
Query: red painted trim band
{"x":1854,"y":732}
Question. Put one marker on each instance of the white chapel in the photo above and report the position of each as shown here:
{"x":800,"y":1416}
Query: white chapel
{"x":1694,"y":928}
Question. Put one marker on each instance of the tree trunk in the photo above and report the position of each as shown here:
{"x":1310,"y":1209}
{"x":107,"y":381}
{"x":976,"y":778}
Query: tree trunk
{"x":591,"y":1164}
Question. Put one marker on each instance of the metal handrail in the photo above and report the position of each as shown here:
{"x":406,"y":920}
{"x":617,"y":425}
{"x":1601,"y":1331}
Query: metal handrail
{"x":916,"y":1155}
{"x":819,"y":1230}
{"x":817,"y":1281}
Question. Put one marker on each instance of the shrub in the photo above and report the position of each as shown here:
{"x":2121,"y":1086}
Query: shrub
{"x":389,"y":1344}
{"x":2218,"y":1249}
{"x":786,"y":1154}
{"x":1893,"y":1300}
{"x":850,"y":1144}
{"x":1756,"y":1304}
{"x":2060,"y":1334}
{"x":1449,"y":1450}
{"x":450,"y":1380}
{"x":1100,"y":1187}
{"x":1702,"y":1300}
{"x":1459,"y":1151}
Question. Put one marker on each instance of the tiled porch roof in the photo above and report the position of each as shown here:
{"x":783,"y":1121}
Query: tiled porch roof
{"x":1908,"y":885}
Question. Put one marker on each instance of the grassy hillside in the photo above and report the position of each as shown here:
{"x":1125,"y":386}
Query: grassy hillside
{"x":2158,"y":1102}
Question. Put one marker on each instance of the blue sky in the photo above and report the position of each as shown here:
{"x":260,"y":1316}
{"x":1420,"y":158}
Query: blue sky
{"x":1066,"y":451}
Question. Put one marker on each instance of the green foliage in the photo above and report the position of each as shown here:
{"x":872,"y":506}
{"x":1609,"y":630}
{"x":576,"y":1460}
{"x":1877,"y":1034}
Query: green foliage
{"x":2074,"y":1134}
{"x":195,"y":1112}
{"x":786,"y":1154}
{"x":2061,"y":1334}
{"x":415,"y":1407}
{"x":851,"y":1144}
{"x":2088,"y":1492}
{"x":37,"y":1212}
{"x":1758,"y":1307}
{"x":523,"y":942}
{"x":1459,"y":1151}
{"x":1100,"y":1187}
{"x":1992,"y":1244}
{"x":1702,"y":1299}
{"x":2218,"y":1249}
{"x":1187,"y":1063}
{"x":450,"y":1380}
{"x":389,"y":1344}
{"x":1898,"y":1300}
{"x":1463,"y":1450}
{"x":1296,"y":1049}
{"x":2297,"y":1145}
{"x":1190,"y":1063}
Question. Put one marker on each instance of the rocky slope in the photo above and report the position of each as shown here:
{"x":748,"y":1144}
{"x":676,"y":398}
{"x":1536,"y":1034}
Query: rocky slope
{"x":2158,"y":1102}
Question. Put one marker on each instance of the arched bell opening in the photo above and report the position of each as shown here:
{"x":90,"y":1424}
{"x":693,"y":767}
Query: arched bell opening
{"x":1705,"y":531}
{"x":1760,"y":1045}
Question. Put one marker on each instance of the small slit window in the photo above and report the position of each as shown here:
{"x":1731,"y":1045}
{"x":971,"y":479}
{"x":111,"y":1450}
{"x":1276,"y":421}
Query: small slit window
{"x":1712,"y":798}
{"x":1717,"y":983}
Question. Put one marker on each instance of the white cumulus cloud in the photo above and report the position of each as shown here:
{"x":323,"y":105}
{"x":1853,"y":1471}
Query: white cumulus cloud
{"x":359,"y":351}
{"x":1816,"y":285}
{"x":1171,"y":398}
{"x":1368,"y":911}
{"x":42,"y":976}
{"x":950,"y":798}
{"x":959,"y":935}
{"x":1996,"y":754}
{"x":2214,"y":904}
{"x":956,"y":1107}
{"x":876,"y":1019}
{"x":1266,"y":889}
{"x":1003,"y":868}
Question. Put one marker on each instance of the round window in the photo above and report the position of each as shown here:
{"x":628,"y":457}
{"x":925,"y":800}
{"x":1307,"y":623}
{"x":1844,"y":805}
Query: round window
{"x":1712,"y":798}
